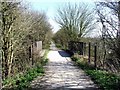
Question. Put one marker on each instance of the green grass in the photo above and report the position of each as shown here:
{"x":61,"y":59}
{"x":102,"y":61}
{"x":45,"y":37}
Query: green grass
{"x":106,"y":81}
{"x":22,"y":81}
{"x":19,"y":82}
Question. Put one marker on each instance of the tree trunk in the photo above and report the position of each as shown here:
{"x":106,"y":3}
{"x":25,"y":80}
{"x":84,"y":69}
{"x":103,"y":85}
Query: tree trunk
{"x":4,"y":48}
{"x":10,"y":59}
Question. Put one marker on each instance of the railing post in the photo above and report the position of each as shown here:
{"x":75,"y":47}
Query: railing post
{"x":32,"y":54}
{"x":84,"y":49}
{"x":95,"y":55}
{"x":89,"y":46}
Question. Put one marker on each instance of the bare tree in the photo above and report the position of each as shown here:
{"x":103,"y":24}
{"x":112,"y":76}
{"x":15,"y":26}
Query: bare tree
{"x":109,"y":16}
{"x":9,"y":15}
{"x":19,"y":28}
{"x":75,"y":19}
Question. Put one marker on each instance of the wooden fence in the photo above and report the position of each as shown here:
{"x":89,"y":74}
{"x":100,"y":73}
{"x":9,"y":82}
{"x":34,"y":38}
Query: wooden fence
{"x":78,"y":47}
{"x":35,"y":50}
{"x":95,"y":54}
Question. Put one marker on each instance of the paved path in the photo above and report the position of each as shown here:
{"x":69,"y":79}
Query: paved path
{"x":61,"y":74}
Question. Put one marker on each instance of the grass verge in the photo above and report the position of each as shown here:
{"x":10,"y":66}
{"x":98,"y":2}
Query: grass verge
{"x":106,"y":81}
{"x":22,"y":81}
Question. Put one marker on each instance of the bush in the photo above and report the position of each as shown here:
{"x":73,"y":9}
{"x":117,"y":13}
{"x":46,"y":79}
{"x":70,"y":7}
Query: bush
{"x":58,"y":46}
{"x":106,"y":81}
{"x":22,"y":81}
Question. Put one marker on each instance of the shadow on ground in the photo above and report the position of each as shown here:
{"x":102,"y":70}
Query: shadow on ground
{"x":65,"y":53}
{"x":58,"y":88}
{"x":65,"y":88}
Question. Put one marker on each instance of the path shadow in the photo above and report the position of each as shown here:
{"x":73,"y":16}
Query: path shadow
{"x":56,"y":88}
{"x":64,"y":88}
{"x":64,"y":53}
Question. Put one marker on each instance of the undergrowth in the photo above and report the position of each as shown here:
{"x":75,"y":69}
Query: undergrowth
{"x":104,"y":79}
{"x":22,"y":81}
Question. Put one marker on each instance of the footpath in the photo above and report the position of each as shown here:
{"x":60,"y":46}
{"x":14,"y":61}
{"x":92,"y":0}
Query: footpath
{"x":62,"y":74}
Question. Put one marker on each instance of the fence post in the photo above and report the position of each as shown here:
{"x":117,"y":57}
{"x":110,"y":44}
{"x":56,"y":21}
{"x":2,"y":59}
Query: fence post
{"x":84,"y":49}
{"x":95,"y":57}
{"x":32,"y":54}
{"x":89,"y":45}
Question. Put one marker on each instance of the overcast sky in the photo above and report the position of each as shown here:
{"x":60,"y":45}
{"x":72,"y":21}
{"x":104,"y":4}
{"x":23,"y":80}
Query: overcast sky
{"x":51,"y":6}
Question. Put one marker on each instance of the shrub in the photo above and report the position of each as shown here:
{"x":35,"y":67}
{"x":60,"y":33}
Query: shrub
{"x":106,"y":80}
{"x":22,"y":81}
